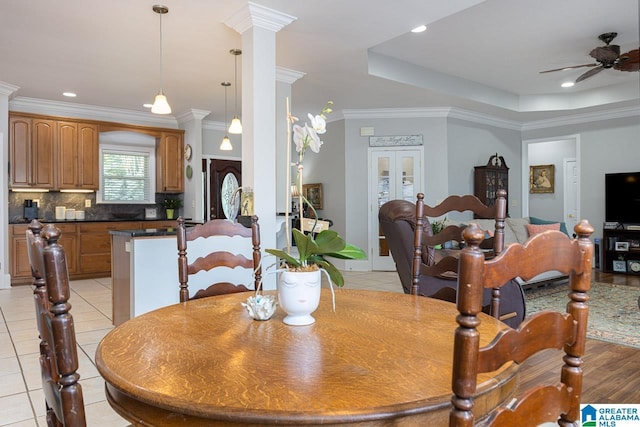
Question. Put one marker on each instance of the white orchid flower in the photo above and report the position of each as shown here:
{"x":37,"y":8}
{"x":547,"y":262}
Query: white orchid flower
{"x":313,"y":140}
{"x":299,"y":137}
{"x":318,"y":123}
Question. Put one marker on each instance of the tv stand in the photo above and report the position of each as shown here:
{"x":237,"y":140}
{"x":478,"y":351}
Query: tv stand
{"x":621,"y":250}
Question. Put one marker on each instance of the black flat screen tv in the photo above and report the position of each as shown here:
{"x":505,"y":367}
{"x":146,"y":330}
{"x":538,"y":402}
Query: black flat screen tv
{"x":622,"y":197}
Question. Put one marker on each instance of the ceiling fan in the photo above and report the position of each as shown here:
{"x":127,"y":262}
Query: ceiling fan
{"x":607,"y":56}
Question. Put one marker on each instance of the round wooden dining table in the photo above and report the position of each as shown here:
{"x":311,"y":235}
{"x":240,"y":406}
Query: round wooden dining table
{"x":380,"y":358}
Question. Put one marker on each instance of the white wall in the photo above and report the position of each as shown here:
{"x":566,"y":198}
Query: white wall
{"x":606,"y":146}
{"x":472,"y":144}
{"x":550,"y":206}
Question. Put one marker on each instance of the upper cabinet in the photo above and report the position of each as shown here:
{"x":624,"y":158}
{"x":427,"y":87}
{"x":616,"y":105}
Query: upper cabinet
{"x":170,"y":163}
{"x":78,"y":156}
{"x":31,"y":152}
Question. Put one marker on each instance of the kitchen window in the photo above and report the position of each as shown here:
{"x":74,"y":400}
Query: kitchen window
{"x":127,"y":173}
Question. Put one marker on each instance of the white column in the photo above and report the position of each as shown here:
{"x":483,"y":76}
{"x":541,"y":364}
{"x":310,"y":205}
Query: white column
{"x":191,"y":122}
{"x":6,"y":92}
{"x":258,"y":26}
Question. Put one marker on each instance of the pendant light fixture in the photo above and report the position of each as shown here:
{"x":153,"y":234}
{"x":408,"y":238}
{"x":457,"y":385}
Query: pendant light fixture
{"x":225,"y":145}
{"x":160,"y":104}
{"x":236,"y":125}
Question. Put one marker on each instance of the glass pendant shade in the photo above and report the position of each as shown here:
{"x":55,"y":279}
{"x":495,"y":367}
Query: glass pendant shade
{"x":235,"y":127}
{"x":225,"y":145}
{"x":160,"y":105}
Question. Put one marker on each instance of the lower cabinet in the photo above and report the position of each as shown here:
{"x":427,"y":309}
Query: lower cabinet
{"x":87,"y":246}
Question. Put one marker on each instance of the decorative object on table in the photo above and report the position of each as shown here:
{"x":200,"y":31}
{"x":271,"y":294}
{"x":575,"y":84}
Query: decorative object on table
{"x":313,"y":251}
{"x":260,"y":307}
{"x":171,"y":205}
{"x":541,"y":179}
{"x":313,"y":193}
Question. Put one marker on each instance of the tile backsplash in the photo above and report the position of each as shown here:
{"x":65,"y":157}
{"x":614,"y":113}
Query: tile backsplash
{"x":97,"y":212}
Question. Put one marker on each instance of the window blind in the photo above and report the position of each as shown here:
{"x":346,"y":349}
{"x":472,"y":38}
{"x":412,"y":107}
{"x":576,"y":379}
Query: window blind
{"x":125,"y":177}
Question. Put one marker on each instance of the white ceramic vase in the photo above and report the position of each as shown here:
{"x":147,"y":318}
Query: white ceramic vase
{"x":299,"y":296}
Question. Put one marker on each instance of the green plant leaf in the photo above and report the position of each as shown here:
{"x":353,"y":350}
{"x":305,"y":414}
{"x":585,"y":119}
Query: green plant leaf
{"x":306,"y":245}
{"x":285,"y":256}
{"x":349,"y":252}
{"x":334,"y":273}
{"x":329,"y":241}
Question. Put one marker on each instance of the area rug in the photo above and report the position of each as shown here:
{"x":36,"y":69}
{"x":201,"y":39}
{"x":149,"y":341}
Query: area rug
{"x":613,"y":310}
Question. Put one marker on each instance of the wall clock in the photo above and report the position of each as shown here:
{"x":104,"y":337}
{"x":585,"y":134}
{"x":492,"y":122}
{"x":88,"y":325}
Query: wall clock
{"x":634,"y":266}
{"x":187,"y":152}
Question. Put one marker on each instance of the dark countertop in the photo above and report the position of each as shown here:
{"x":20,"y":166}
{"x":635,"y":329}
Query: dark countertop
{"x":74,"y":221}
{"x":147,"y":232}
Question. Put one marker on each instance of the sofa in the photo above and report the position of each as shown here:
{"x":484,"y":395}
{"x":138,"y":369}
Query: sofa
{"x":518,"y":230}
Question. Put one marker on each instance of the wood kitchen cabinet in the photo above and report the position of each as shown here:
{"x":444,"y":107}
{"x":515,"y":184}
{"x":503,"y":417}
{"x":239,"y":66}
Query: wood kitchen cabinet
{"x":77,"y":156}
{"x":170,"y":163}
{"x":20,"y":267}
{"x":31,"y":152}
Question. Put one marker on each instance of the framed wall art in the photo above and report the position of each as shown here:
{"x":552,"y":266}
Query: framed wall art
{"x":542,"y":179}
{"x":313,"y":193}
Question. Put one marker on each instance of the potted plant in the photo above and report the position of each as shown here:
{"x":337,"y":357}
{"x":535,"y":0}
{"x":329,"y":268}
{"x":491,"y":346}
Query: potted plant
{"x":170,"y":205}
{"x":299,"y":281}
{"x":436,"y":227}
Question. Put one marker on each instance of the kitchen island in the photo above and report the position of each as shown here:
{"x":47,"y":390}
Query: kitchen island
{"x":144,"y":271}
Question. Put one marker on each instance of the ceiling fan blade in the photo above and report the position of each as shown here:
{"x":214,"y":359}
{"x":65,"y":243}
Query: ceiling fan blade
{"x":589,"y":73}
{"x":569,"y":68}
{"x":629,"y":61}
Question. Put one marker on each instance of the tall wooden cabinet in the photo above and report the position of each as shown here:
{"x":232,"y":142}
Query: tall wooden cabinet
{"x":31,"y":152}
{"x":77,"y":156}
{"x":490,"y":178}
{"x":170,"y":163}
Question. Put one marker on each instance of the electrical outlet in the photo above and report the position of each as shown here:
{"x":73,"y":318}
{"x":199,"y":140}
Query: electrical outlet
{"x":514,"y":202}
{"x":87,"y":203}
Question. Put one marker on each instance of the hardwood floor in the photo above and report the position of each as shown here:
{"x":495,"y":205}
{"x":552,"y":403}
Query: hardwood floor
{"x":611,"y":371}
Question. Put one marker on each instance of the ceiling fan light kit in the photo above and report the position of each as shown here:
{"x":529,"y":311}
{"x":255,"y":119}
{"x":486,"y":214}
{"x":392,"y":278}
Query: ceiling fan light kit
{"x":607,"y":56}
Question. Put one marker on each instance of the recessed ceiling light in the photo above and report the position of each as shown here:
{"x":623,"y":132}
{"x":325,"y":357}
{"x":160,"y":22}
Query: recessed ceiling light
{"x":147,"y":105}
{"x":69,"y":94}
{"x":419,"y":29}
{"x":567,"y":84}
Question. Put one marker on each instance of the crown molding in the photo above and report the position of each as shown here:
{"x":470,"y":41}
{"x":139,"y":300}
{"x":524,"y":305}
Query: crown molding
{"x":90,"y":112}
{"x":396,"y":113}
{"x":617,"y":113}
{"x":213,"y":125}
{"x":255,"y":15}
{"x":8,"y":89}
{"x":286,"y":75}
{"x":192,"y":114}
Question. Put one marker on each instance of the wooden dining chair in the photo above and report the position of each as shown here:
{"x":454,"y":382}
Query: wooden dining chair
{"x":58,"y":348}
{"x":550,"y":250}
{"x":217,"y":238}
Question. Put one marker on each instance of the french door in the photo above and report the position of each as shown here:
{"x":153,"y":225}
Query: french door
{"x":393,"y":174}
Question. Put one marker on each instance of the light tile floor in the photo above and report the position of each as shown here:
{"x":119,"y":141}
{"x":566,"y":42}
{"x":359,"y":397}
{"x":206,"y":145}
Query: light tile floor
{"x":21,"y":397}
